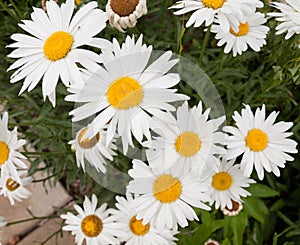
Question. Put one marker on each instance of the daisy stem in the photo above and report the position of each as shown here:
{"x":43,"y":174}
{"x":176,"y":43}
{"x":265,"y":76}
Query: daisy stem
{"x":16,"y":9}
{"x":30,"y":219}
{"x":204,"y":45}
{"x":181,"y":37}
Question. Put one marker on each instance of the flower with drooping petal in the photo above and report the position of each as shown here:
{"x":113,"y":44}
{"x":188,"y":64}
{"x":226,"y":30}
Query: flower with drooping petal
{"x":92,"y":224}
{"x":127,"y":91}
{"x":93,"y":150}
{"x":262,"y":142}
{"x":227,"y":184}
{"x":52,"y":50}
{"x":15,"y":190}
{"x":289,"y":16}
{"x":123,"y":14}
{"x":237,"y":207}
{"x":135,"y":231}
{"x":229,"y":12}
{"x":251,"y":33}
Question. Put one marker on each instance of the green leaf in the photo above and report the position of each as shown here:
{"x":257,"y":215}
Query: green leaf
{"x":226,"y":242}
{"x":256,"y":208}
{"x":260,"y":190}
{"x":238,"y":225}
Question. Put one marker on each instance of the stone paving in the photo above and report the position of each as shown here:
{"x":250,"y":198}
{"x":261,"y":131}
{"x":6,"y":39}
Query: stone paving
{"x":43,"y":202}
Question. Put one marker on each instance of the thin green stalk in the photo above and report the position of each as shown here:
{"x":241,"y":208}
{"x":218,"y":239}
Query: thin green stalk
{"x":204,"y":44}
{"x":16,"y":9}
{"x":31,"y":219}
{"x":181,"y":37}
{"x":41,"y":153}
{"x":9,"y":11}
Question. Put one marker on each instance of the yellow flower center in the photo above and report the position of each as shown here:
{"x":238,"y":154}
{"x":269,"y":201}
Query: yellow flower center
{"x":167,"y":188}
{"x":137,"y":227}
{"x":243,"y":30}
{"x":4,"y":152}
{"x":222,"y":181}
{"x":123,"y":8}
{"x":215,"y":4}
{"x":188,"y":144}
{"x":256,"y":140}
{"x":78,"y":2}
{"x":58,"y":45}
{"x":125,"y":93}
{"x":87,"y":143}
{"x":12,"y":185}
{"x":91,"y":225}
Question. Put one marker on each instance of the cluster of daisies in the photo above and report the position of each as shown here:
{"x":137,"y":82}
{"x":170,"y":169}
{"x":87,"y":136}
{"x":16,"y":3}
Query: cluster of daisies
{"x":187,"y":167}
{"x":237,"y":23}
{"x":123,"y":92}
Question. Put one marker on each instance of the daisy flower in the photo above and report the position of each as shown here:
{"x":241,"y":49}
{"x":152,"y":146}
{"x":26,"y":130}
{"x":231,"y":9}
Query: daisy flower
{"x":128,"y":92}
{"x":10,"y":158}
{"x":134,"y":230}
{"x":227,"y":184}
{"x":52,"y":49}
{"x":93,"y":150}
{"x":289,"y":15}
{"x":92,"y":224}
{"x":15,"y":190}
{"x":262,"y":143}
{"x":229,"y":12}
{"x":166,"y":194}
{"x":189,"y":139}
{"x":123,"y":14}
{"x":237,"y":207}
{"x":251,"y":33}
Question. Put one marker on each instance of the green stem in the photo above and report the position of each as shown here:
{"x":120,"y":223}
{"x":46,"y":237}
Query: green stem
{"x":47,"y":178}
{"x":181,"y":37}
{"x":204,"y":44}
{"x":30,"y":219}
{"x":44,"y":153}
{"x":9,"y":11}
{"x":16,"y":9}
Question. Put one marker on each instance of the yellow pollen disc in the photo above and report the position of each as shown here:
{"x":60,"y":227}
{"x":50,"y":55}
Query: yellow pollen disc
{"x":4,"y":152}
{"x":215,"y":4}
{"x":124,"y":93}
{"x":78,"y":2}
{"x":87,"y":143}
{"x":12,"y":185}
{"x":222,"y":181}
{"x":123,"y":8}
{"x":91,"y":225}
{"x":58,"y":45}
{"x":137,"y":227}
{"x":188,"y":144}
{"x":256,"y":140}
{"x":167,"y":188}
{"x":243,"y":30}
